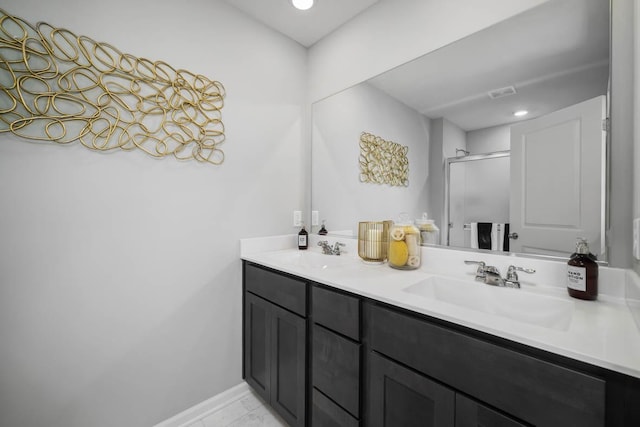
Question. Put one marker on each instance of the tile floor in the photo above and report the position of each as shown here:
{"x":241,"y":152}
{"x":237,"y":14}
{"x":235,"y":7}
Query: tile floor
{"x":248,"y":411}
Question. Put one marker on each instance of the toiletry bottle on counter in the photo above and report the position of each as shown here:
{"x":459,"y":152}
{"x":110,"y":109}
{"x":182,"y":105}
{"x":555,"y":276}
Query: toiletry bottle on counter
{"x":582,"y":273}
{"x":429,"y":232}
{"x":323,"y":231}
{"x":404,"y":244}
{"x":303,"y":239}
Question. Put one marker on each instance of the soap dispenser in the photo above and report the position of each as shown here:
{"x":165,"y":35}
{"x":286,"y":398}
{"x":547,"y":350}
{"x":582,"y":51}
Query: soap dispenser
{"x":323,"y":231}
{"x":582,"y":273}
{"x":303,"y":239}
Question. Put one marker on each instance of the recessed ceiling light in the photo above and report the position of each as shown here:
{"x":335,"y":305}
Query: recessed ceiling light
{"x":521,"y":113}
{"x":302,"y":4}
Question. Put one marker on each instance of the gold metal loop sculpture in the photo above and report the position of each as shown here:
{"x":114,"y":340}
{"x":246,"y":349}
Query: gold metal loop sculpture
{"x":383,"y":162}
{"x":59,"y":87}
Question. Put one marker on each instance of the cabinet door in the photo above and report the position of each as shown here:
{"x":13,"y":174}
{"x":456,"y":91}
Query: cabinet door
{"x":401,"y":397}
{"x":288,"y":365}
{"x":536,"y":391}
{"x":470,"y":413}
{"x":257,"y":344}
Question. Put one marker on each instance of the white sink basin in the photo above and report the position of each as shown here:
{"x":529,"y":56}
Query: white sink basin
{"x":309,"y":259}
{"x":511,"y":304}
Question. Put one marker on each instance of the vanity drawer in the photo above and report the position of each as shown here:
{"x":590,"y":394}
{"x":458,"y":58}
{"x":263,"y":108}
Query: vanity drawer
{"x":284,"y":291}
{"x":336,"y":368}
{"x":531,"y":389}
{"x":325,"y":413}
{"x":336,"y":311}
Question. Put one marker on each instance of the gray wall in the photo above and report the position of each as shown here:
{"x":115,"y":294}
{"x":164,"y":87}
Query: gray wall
{"x":120,"y":276}
{"x":338,"y":122}
{"x":621,"y":176}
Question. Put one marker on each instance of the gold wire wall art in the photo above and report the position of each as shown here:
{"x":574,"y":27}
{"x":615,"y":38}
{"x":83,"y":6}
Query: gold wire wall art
{"x":383,"y":162}
{"x":59,"y":87}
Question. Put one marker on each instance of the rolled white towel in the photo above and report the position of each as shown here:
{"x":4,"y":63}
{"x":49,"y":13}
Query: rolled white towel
{"x":497,"y":237}
{"x":474,"y":235}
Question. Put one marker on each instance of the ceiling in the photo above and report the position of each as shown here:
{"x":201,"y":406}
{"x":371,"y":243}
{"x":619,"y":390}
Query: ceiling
{"x":304,"y":26}
{"x":554,"y":55}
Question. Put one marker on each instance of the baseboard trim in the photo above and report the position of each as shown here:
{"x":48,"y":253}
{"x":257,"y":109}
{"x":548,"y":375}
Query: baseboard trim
{"x":207,"y":407}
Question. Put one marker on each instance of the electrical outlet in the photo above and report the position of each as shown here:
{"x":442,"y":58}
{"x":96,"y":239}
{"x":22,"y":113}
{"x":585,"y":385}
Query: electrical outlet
{"x":314,"y":217}
{"x":636,"y":238}
{"x":297,"y":218}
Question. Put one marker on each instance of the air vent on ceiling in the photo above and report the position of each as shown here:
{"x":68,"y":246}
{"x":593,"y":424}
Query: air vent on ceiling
{"x":503,"y":91}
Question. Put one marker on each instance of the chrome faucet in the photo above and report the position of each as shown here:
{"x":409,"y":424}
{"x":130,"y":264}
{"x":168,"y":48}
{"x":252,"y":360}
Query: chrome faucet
{"x":491,"y":275}
{"x":328,"y":250}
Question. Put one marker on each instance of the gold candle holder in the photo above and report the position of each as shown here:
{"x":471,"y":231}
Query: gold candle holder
{"x":373,"y":239}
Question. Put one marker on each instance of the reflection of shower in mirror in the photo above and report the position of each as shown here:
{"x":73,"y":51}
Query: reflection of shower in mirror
{"x":477,"y":193}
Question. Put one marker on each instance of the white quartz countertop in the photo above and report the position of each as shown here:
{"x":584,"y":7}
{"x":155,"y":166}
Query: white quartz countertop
{"x":602,"y":332}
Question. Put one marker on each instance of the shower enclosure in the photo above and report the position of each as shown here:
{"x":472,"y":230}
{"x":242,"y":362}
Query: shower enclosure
{"x":476,"y":190}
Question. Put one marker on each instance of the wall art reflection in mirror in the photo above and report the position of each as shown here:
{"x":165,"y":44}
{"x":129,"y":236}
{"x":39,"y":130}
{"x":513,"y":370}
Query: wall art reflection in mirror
{"x":383,"y":162}
{"x":59,"y":87}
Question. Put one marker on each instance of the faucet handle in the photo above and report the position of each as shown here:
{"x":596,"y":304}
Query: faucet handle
{"x":336,"y":247}
{"x":481,"y":271}
{"x":512,"y":275}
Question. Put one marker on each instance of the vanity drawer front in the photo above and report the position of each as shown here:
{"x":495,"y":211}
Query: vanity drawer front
{"x":282,"y":290}
{"x":530,"y":389}
{"x":336,"y":368}
{"x":325,"y":413}
{"x":336,"y":311}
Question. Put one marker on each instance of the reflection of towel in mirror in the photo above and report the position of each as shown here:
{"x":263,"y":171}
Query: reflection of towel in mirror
{"x":484,"y":235}
{"x":481,"y":235}
{"x":505,"y":240}
{"x":488,"y":235}
{"x":497,"y":236}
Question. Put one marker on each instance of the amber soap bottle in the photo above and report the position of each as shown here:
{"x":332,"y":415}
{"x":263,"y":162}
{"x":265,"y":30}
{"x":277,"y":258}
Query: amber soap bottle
{"x":303,"y":239}
{"x":582,"y":273}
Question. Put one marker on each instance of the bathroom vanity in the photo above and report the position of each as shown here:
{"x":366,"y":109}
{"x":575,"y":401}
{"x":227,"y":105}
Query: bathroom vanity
{"x":330,"y":341}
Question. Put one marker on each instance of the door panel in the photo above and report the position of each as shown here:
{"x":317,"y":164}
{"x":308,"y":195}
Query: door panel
{"x":470,"y":413}
{"x":288,"y":366}
{"x":258,"y":344}
{"x":401,"y":397}
{"x":556,"y":180}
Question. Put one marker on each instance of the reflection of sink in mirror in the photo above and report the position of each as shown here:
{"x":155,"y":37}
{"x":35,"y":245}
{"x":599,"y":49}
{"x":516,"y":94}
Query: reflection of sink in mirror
{"x":514,"y":304}
{"x":310,"y":259}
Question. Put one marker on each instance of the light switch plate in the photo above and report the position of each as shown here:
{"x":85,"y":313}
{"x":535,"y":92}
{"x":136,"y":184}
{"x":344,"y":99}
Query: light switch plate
{"x":297,"y":218}
{"x":314,"y":217}
{"x":636,"y":238}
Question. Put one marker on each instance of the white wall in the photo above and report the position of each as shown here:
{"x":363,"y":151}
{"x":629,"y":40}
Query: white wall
{"x":392,"y":32}
{"x":487,"y":140}
{"x":120,"y":276}
{"x":337,"y":192}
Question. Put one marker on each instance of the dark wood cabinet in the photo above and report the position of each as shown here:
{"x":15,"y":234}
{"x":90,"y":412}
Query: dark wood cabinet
{"x":533,"y":390}
{"x":275,"y":356}
{"x":327,"y":358}
{"x":335,"y":357}
{"x":401,"y":397}
{"x":325,"y":413}
{"x":470,"y":413}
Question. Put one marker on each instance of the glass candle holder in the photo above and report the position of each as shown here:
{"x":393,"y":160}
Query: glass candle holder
{"x":373,"y":241}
